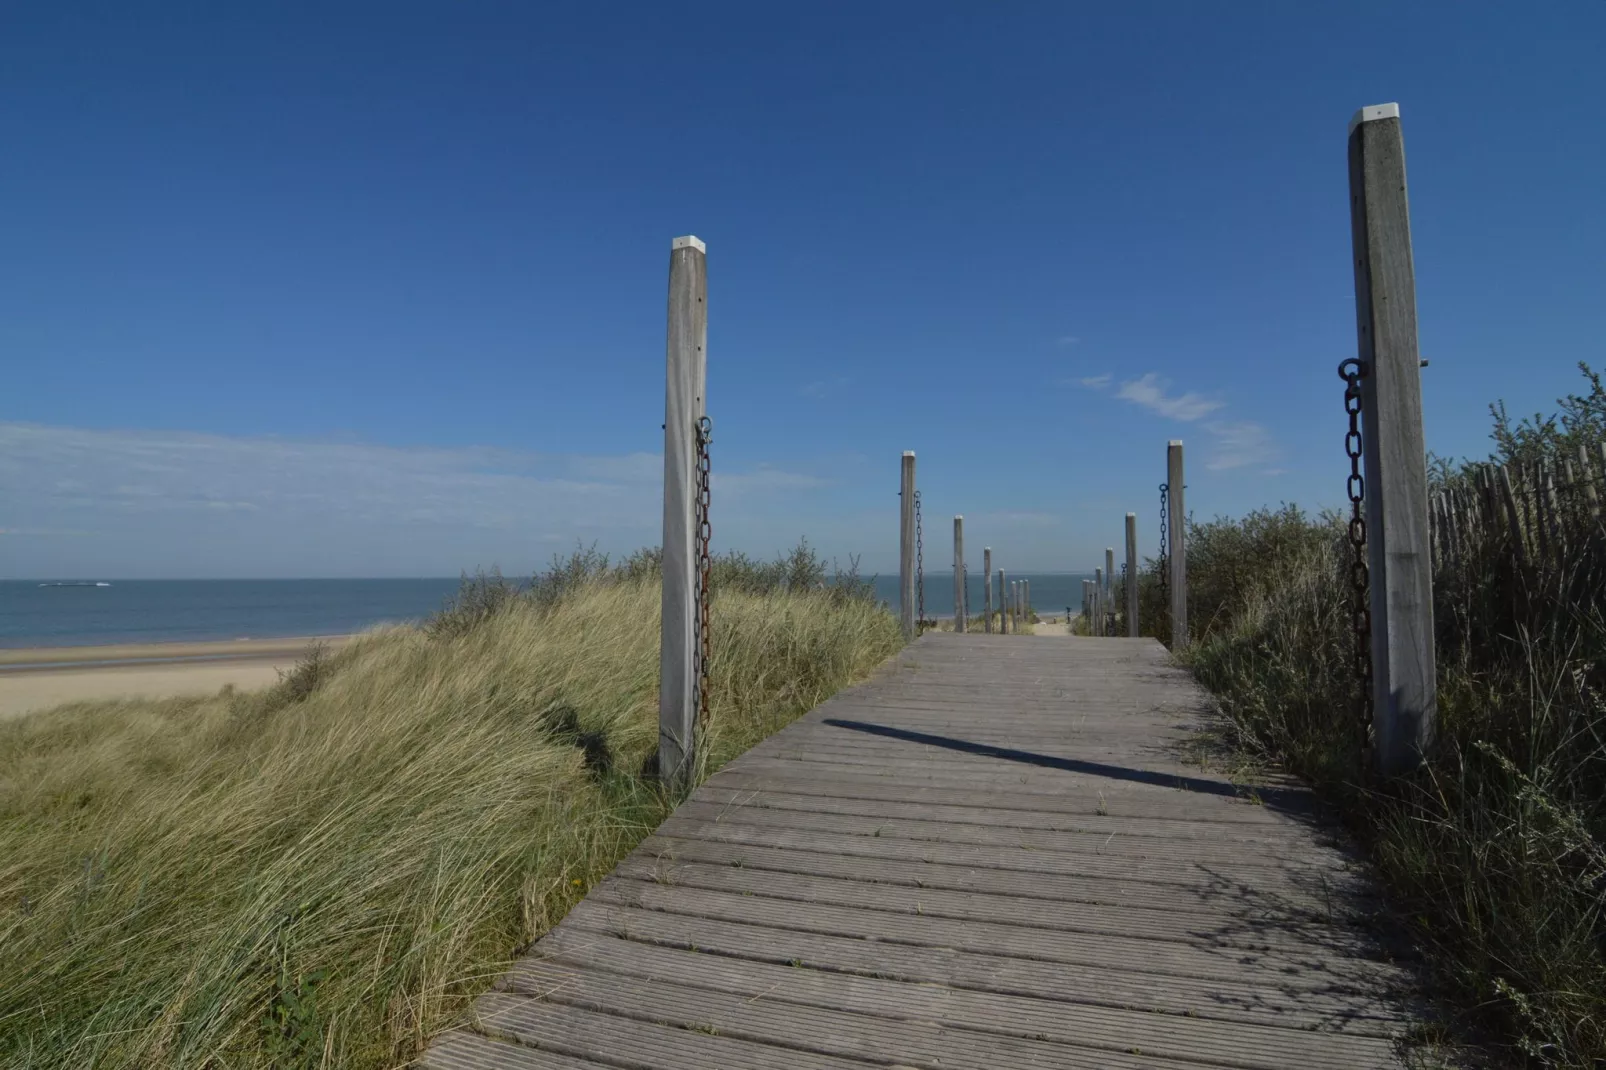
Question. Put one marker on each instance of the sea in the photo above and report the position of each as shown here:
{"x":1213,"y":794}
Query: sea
{"x":162,"y":611}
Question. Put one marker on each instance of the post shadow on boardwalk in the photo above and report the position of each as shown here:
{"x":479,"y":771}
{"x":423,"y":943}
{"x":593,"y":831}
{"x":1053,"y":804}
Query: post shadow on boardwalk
{"x":1296,"y":802}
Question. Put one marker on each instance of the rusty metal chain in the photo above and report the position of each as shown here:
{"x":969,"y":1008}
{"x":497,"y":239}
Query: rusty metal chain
{"x":704,"y":536}
{"x":1165,"y":543}
{"x":920,"y":571}
{"x":1360,"y":575}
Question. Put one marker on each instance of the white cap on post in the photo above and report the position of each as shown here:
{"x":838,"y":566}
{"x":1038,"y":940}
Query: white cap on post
{"x":690,"y":241}
{"x":1373,"y":112}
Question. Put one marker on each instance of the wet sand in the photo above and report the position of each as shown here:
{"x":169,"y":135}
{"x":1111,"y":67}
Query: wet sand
{"x":40,"y":677}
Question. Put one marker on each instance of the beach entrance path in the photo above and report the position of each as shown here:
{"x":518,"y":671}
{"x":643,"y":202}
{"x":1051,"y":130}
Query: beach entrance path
{"x":994,"y":853}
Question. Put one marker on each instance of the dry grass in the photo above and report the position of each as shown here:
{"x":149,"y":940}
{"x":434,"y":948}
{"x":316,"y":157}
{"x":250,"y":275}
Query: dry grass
{"x":322,"y":874}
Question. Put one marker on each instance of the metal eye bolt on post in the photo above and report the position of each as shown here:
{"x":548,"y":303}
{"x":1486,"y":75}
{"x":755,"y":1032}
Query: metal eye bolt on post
{"x":683,"y":649}
{"x":1392,"y":571}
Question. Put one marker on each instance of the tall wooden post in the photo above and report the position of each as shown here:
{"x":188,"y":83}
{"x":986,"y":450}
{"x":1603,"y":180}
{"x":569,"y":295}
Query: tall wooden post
{"x":1003,"y":603}
{"x":1132,"y":575}
{"x":1098,"y":601}
{"x":1404,"y":697}
{"x":1177,"y":551}
{"x":959,"y":574}
{"x":1087,"y":604}
{"x":1026,"y":601}
{"x":987,"y":588}
{"x":1109,"y":590}
{"x":684,"y":406}
{"x":906,"y":547}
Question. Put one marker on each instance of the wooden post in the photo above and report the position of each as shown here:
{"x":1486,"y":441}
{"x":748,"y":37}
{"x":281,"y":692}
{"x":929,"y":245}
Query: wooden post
{"x":1404,"y":696}
{"x":906,"y":547}
{"x":1109,"y":590}
{"x":1087,"y":604}
{"x":1098,"y":601}
{"x":1003,"y":603}
{"x":687,"y":372}
{"x":1132,"y":575}
{"x":1589,"y":480}
{"x":1176,"y":552}
{"x":959,"y":574}
{"x":987,"y":589}
{"x":1026,"y":601}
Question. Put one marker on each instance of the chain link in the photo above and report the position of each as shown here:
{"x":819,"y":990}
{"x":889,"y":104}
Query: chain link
{"x":1359,"y":573}
{"x":1165,"y":543}
{"x":920,"y":572}
{"x":702,"y":647}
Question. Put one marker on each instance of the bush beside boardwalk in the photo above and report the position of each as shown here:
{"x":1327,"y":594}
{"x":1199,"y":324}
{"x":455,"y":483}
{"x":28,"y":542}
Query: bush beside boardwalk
{"x":323,"y":873}
{"x":1495,"y":854}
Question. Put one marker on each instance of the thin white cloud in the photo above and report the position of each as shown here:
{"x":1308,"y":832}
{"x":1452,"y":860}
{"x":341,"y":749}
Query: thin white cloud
{"x":1096,"y":382}
{"x":763,"y":479}
{"x":1238,"y":444}
{"x":1066,"y":340}
{"x":181,"y":503}
{"x":824,"y":388}
{"x":977,"y":521}
{"x":1149,"y":392}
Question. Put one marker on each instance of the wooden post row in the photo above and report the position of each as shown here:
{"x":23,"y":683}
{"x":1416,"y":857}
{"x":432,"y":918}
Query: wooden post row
{"x":1177,"y":551}
{"x":959,"y":574}
{"x":1132,"y":575}
{"x":906,"y":546}
{"x":1404,"y":692}
{"x":684,"y":406}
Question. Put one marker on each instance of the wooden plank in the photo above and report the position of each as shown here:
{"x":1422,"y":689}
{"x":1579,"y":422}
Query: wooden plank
{"x":1404,"y":687}
{"x":595,"y":928}
{"x":862,"y":1018}
{"x":620,"y":1040}
{"x":1200,"y":960}
{"x":683,"y":408}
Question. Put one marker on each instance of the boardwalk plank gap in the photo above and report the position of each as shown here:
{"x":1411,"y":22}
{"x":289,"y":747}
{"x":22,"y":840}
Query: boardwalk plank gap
{"x":1000,"y":851}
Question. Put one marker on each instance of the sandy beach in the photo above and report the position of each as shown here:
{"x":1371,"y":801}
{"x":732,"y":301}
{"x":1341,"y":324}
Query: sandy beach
{"x":37,"y":678}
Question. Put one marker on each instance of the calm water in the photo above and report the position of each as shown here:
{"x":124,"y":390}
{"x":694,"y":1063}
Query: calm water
{"x":154,"y":611}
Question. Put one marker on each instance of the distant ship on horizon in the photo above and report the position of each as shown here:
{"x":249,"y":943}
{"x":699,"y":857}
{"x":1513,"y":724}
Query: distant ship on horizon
{"x":78,"y":583}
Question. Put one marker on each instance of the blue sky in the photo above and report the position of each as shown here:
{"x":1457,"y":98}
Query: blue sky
{"x":379,"y":289}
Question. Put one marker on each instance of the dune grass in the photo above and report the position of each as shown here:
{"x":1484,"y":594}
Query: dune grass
{"x":325,"y":872}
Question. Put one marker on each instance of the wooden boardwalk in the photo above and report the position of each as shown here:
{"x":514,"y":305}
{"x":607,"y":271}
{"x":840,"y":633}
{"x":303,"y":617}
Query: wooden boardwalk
{"x":992,"y":854}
